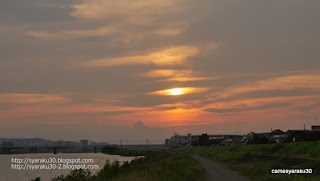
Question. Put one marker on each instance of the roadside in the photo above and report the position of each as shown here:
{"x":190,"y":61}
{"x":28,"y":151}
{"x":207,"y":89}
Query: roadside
{"x":256,"y":162}
{"x":217,"y":172}
{"x":155,"y":166}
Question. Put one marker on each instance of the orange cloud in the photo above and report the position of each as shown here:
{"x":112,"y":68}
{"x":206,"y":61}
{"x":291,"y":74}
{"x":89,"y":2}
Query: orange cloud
{"x":12,"y":98}
{"x":278,"y":83}
{"x":46,"y":110}
{"x":168,"y":56}
{"x":171,"y":117}
{"x":203,"y":111}
{"x":176,"y":75}
{"x":168,"y":32}
{"x":261,"y":104}
{"x":164,"y":73}
{"x":100,"y":31}
{"x":130,"y":16}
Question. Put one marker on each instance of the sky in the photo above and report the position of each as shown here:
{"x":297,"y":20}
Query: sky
{"x":108,"y":70}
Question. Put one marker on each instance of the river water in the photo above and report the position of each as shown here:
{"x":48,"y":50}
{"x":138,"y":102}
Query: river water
{"x":9,"y":164}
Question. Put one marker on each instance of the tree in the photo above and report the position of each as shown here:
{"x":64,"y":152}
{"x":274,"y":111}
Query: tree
{"x":110,"y":150}
{"x":259,"y":139}
{"x":36,"y":179}
{"x":204,"y":140}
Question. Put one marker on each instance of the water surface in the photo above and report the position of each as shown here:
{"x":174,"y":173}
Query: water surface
{"x":9,"y":174}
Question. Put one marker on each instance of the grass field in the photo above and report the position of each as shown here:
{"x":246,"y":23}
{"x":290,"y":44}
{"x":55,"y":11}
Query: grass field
{"x":155,"y":166}
{"x":256,"y":161}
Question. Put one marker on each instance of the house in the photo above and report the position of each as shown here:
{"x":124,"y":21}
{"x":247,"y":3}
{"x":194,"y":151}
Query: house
{"x":297,"y":135}
{"x":278,"y":136}
{"x":315,"y":128}
{"x":237,"y":140}
{"x":255,"y":138}
{"x":176,"y":141}
{"x":245,"y":139}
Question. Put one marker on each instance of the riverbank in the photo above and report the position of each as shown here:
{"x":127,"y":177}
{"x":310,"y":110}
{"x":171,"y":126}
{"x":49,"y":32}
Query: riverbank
{"x":155,"y":166}
{"x":256,"y":161}
{"x":10,"y":169}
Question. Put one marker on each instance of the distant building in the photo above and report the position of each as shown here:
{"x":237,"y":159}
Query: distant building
{"x":7,"y":143}
{"x":295,"y":132}
{"x":278,"y":136}
{"x":84,"y":143}
{"x":180,"y":141}
{"x":177,"y":141}
{"x":315,"y":128}
{"x":255,"y":138}
{"x":62,"y":143}
{"x":236,"y":140}
{"x":246,"y":138}
{"x":297,"y":135}
{"x":227,"y":141}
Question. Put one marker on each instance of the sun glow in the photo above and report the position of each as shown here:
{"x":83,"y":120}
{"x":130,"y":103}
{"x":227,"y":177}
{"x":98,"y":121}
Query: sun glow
{"x":179,"y":91}
{"x":176,"y":91}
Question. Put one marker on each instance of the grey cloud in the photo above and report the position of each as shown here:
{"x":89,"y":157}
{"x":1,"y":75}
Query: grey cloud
{"x":233,"y":110}
{"x":33,"y":11}
{"x":308,"y":108}
{"x":271,"y":93}
{"x":139,"y":124}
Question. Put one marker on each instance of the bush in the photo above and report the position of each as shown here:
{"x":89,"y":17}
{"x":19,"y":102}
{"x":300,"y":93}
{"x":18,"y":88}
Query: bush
{"x":161,"y":166}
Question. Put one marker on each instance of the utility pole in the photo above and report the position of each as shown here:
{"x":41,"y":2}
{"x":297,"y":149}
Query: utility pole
{"x":121,"y":145}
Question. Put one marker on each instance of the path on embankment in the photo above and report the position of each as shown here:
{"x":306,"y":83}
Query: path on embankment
{"x":217,"y":172}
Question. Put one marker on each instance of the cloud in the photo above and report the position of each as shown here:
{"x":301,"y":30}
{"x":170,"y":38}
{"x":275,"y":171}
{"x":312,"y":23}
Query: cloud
{"x":168,"y":56}
{"x":12,"y":98}
{"x":176,"y":75}
{"x":181,"y":43}
{"x":244,"y":108}
{"x":100,"y":31}
{"x":168,"y":32}
{"x":165,"y":73}
{"x":46,"y":109}
{"x":135,"y":21}
{"x":278,"y":83}
{"x":3,"y":28}
{"x":139,"y":124}
{"x":144,"y":9}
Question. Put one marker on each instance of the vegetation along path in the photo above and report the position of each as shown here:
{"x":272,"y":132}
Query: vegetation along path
{"x":217,"y":172}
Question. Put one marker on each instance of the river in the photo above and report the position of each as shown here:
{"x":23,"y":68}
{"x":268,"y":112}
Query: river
{"x":11,"y":170}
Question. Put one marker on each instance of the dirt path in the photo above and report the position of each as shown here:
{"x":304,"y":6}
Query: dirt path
{"x":217,"y":172}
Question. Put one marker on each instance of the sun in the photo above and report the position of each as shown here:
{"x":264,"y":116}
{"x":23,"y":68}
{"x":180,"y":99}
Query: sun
{"x":179,"y":91}
{"x":175,"y":91}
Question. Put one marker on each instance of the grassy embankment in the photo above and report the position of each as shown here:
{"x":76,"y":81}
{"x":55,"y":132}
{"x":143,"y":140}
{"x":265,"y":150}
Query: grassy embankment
{"x":155,"y":166}
{"x":256,"y":161}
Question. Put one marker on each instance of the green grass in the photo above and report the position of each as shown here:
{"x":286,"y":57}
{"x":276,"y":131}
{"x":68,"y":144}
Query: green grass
{"x":256,"y":169}
{"x":303,"y":149}
{"x":155,"y":166}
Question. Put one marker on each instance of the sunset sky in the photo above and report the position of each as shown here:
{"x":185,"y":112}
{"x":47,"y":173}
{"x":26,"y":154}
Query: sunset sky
{"x":107,"y":70}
